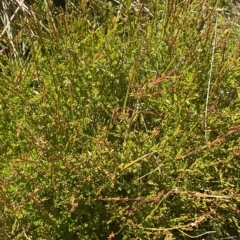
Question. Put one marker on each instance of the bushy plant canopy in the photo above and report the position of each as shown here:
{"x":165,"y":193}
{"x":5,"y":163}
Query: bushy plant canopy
{"x":119,"y":120}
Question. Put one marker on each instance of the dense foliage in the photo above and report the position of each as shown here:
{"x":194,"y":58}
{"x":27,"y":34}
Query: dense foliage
{"x":120,"y":120}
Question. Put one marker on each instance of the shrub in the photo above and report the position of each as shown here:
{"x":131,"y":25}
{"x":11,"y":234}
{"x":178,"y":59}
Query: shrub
{"x":120,"y":122}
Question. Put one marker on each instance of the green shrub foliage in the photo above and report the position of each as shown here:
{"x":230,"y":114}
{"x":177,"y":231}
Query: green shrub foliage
{"x":120,"y":120}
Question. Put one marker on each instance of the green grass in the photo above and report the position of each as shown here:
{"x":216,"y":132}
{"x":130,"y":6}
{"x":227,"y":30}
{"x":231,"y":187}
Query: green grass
{"x":120,"y":122}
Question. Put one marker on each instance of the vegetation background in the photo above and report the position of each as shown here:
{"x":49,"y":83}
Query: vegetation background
{"x":120,"y":120}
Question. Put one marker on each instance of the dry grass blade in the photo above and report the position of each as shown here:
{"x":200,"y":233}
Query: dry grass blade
{"x":209,"y":80}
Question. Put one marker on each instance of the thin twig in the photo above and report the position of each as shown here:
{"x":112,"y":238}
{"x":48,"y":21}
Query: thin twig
{"x":25,"y":235}
{"x":209,"y":80}
{"x":231,"y":237}
{"x":204,"y":195}
{"x":197,"y":235}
